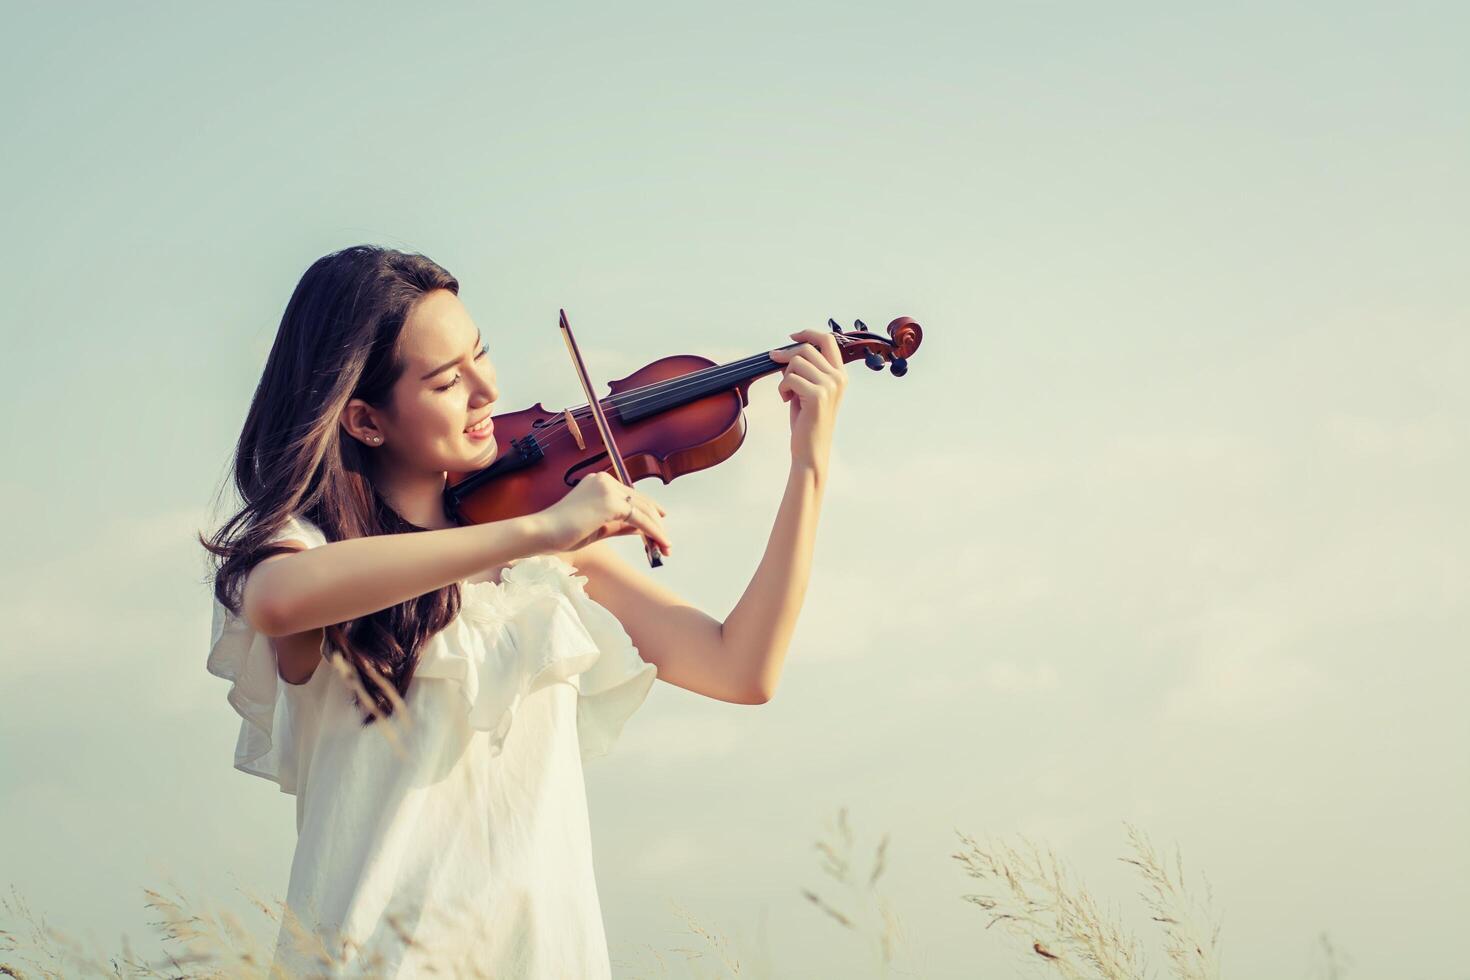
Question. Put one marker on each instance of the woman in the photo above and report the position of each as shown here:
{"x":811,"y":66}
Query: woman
{"x":429,"y":691}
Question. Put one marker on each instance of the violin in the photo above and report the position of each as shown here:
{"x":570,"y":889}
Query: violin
{"x":676,"y":415}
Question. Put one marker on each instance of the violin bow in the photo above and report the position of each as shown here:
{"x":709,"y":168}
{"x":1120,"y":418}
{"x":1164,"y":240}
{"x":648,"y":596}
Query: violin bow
{"x":650,"y":549}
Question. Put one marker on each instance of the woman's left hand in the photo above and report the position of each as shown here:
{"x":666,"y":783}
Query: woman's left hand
{"x":812,"y":383}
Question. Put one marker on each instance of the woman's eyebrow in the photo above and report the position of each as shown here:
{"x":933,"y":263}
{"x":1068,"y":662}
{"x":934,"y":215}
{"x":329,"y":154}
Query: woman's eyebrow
{"x":440,"y":370}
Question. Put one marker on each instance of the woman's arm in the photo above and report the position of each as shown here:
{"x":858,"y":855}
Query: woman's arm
{"x":740,"y":659}
{"x":342,"y":580}
{"x":758,"y":630}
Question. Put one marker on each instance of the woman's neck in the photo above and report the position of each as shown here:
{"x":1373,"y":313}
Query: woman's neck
{"x":418,"y":497}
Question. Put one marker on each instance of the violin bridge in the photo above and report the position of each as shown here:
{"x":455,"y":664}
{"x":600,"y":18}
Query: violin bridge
{"x":572,"y":424}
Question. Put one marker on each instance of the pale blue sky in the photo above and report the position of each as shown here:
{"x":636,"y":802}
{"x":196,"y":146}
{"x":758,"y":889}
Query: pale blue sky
{"x":1164,"y":525}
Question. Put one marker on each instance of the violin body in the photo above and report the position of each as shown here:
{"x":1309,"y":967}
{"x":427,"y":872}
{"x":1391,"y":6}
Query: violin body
{"x":694,"y":436}
{"x":677,"y":415}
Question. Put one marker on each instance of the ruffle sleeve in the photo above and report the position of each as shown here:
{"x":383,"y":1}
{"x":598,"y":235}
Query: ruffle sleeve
{"x":535,"y":627}
{"x":237,"y":653}
{"x":617,"y":683}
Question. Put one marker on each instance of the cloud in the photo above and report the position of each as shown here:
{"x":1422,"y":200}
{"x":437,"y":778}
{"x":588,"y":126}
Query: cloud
{"x":116,"y":593}
{"x":670,"y":854}
{"x":1005,"y":677}
{"x":1414,"y":442}
{"x":674,"y":737}
{"x":1243,"y":671}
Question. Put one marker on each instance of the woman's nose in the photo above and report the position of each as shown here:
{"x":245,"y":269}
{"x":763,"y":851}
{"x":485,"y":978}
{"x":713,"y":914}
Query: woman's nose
{"x":485,"y":385}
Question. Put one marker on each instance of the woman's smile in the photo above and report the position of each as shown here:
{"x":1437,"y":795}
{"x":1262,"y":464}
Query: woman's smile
{"x":482,"y":429}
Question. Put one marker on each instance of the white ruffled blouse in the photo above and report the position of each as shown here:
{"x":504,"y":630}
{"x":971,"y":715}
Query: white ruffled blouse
{"x":455,"y":838}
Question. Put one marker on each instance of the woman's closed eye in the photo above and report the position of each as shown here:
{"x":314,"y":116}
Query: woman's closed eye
{"x":484,"y":349}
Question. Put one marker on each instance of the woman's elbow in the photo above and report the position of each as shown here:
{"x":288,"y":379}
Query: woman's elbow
{"x":265,"y":608}
{"x":758,"y":693}
{"x":267,"y":618}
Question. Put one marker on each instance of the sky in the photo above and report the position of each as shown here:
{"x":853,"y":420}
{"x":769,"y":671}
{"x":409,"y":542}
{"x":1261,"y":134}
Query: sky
{"x":1163,"y":527}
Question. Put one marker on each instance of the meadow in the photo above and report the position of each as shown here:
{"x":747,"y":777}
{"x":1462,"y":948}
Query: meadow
{"x":1025,"y":897}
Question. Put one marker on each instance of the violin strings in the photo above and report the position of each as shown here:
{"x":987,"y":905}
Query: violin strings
{"x":659,"y":388}
{"x":556,"y":430}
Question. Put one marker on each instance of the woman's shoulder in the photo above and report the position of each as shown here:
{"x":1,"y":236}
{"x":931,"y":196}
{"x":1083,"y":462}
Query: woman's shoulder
{"x":298,"y":527}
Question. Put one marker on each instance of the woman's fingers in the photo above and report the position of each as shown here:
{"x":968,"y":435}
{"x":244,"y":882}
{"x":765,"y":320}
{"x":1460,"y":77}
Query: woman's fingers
{"x":645,"y":520}
{"x":826,"y":342}
{"x":806,"y":369}
{"x":633,"y":513}
{"x":817,"y":358}
{"x":799,"y":386}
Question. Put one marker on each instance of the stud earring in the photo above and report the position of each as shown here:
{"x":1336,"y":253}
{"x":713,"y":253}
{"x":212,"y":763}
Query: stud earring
{"x":376,"y":439}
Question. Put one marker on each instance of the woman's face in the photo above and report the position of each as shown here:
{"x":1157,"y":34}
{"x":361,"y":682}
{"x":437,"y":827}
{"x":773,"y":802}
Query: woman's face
{"x":447,"y":386}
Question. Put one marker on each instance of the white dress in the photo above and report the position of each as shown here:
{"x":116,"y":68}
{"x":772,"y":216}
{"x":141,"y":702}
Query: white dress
{"x":464,"y":848}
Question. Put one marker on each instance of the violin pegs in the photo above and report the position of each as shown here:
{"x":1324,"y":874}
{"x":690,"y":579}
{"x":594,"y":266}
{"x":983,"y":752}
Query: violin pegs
{"x":899,"y":366}
{"x":834,"y":325}
{"x":873,"y":360}
{"x":860,"y":325}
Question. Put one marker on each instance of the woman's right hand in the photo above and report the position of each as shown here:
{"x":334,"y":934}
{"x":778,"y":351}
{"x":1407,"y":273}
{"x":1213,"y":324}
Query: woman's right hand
{"x":601,"y":506}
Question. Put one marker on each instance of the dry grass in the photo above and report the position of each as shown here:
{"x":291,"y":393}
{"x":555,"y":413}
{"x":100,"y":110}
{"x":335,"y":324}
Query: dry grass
{"x":1035,"y":900}
{"x":1033,"y":897}
{"x":864,"y":910}
{"x":860,"y":910}
{"x":1055,"y":923}
{"x":207,"y":946}
{"x":216,"y":944}
{"x":715,"y":952}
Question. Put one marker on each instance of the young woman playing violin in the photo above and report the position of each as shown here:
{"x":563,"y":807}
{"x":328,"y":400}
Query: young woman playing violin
{"x":429,"y":691}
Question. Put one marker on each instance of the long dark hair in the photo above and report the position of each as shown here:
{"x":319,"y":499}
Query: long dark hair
{"x":338,"y":340}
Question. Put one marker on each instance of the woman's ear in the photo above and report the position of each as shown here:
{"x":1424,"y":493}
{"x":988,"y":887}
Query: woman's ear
{"x":358,"y":422}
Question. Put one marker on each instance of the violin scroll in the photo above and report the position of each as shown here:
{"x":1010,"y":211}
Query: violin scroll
{"x":904,"y":337}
